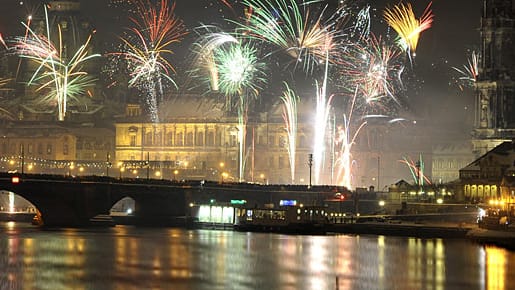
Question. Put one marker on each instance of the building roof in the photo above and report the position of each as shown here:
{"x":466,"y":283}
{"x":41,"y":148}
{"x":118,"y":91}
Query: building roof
{"x":191,"y":107}
{"x":505,"y":149}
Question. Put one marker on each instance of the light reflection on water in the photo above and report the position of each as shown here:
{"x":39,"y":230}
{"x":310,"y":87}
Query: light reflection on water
{"x":147,"y":258}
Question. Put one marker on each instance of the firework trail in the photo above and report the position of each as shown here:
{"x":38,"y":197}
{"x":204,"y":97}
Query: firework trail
{"x":2,"y":41}
{"x":155,"y":29}
{"x":4,"y":82}
{"x":242,"y":75}
{"x":362,"y":26}
{"x":62,"y":78}
{"x":345,"y":141}
{"x":417,"y":170}
{"x":290,"y":101}
{"x":292,"y":29}
{"x":403,"y":20}
{"x":470,"y":71}
{"x":323,"y":108}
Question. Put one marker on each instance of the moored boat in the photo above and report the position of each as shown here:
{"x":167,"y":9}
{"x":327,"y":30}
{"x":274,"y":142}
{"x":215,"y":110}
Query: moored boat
{"x":291,"y":219}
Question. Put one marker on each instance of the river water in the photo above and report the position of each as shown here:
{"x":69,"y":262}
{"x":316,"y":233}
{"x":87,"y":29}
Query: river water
{"x":125,"y":257}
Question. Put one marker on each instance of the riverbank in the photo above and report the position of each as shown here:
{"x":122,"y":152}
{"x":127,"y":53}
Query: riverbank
{"x":503,"y":238}
{"x":408,"y":229}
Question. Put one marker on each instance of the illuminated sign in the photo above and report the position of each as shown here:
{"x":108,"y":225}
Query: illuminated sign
{"x":238,"y":201}
{"x":288,"y":202}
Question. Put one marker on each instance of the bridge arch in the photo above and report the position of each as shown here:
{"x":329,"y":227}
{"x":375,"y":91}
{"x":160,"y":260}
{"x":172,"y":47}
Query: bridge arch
{"x":12,"y":202}
{"x":124,"y":206}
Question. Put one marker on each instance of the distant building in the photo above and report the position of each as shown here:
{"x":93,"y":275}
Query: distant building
{"x":197,"y":135}
{"x":54,"y":148}
{"x":448,"y":159}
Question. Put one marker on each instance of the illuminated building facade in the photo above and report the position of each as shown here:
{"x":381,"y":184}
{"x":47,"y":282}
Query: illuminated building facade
{"x":482,"y":180}
{"x":197,"y":139}
{"x":495,"y":86}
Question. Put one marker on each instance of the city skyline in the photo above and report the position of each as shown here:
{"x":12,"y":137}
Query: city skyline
{"x":422,"y":99}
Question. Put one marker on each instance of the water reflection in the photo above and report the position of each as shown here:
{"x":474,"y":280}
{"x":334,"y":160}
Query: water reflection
{"x":496,"y":268}
{"x":136,"y":258}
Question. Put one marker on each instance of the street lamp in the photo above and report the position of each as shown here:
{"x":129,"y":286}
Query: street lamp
{"x":175,"y":172}
{"x":262,"y":176}
{"x":224,"y":175}
{"x":122,"y":169}
{"x":72,"y":166}
{"x":158,"y":174}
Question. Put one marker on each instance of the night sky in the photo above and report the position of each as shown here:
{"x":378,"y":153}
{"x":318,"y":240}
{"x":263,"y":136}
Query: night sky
{"x":454,"y":33}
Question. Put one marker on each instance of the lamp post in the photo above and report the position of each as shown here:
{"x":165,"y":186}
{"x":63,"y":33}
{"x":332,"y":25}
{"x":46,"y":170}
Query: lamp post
{"x":224,"y":175}
{"x":310,"y":164}
{"x":108,"y":164}
{"x":22,"y":158}
{"x":147,"y":164}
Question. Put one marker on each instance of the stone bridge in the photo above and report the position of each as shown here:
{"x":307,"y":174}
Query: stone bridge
{"x":73,"y":201}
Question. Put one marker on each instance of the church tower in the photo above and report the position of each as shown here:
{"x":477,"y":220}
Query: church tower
{"x":495,"y":86}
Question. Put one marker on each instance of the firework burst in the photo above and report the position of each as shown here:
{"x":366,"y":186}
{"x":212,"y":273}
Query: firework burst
{"x":242,"y":75}
{"x":373,"y":67}
{"x":155,"y":29}
{"x":403,"y":20}
{"x":203,"y":53}
{"x":292,"y":29}
{"x":61,"y":78}
{"x":470,"y":71}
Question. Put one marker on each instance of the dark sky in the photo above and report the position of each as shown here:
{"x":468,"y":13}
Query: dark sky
{"x":454,"y":32}
{"x":454,"y":29}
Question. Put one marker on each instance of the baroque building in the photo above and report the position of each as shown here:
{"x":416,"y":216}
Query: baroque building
{"x":495,"y":86}
{"x":197,"y":139}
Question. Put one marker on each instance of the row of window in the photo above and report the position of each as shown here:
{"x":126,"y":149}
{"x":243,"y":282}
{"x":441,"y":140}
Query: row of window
{"x":179,"y":139}
{"x":30,"y":148}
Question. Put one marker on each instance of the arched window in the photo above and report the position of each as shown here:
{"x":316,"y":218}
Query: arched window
{"x":148,"y":138}
{"x":169,"y":139}
{"x":210,"y":138}
{"x":189,"y":139}
{"x":179,"y":139}
{"x":200,"y":139}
